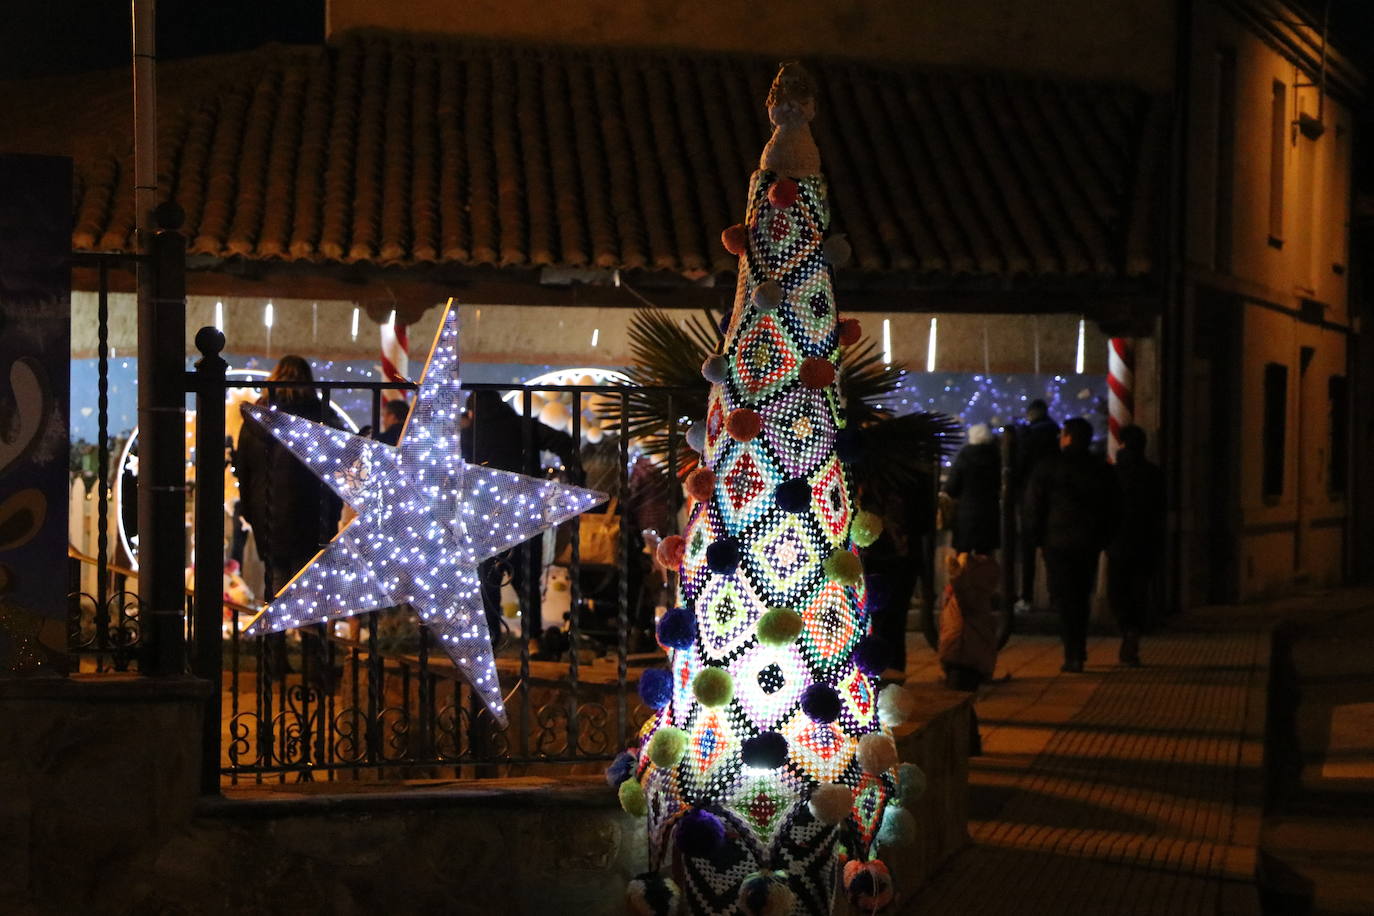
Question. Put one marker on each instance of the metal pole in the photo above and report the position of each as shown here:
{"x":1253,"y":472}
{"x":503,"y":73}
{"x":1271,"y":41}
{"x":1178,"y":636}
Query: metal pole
{"x":209,"y":387}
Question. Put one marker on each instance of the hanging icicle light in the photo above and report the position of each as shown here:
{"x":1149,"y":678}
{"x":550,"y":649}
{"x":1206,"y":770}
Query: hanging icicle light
{"x":1078,"y":359}
{"x":931,"y":345}
{"x":887,"y":341}
{"x":596,"y":335}
{"x":219,"y":317}
{"x":267,"y":315}
{"x":355,"y":322}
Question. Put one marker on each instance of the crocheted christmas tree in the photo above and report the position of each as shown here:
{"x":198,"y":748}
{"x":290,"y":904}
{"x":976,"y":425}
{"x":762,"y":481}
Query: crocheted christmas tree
{"x":766,"y":765}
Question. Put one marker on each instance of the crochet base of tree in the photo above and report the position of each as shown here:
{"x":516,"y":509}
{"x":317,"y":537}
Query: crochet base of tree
{"x":767,"y":778}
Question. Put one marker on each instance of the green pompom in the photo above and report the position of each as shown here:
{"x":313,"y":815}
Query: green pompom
{"x":911,"y":783}
{"x":844,"y":568}
{"x":667,"y":746}
{"x":632,"y":798}
{"x":779,"y":626}
{"x":898,"y":827}
{"x":713,"y":687}
{"x":865,"y":528}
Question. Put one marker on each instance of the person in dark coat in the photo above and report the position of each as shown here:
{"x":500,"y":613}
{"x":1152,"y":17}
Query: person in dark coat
{"x":1074,"y":507}
{"x":976,"y":482}
{"x":493,"y":434}
{"x":1037,"y":439}
{"x":1134,"y":554}
{"x":394,"y":416}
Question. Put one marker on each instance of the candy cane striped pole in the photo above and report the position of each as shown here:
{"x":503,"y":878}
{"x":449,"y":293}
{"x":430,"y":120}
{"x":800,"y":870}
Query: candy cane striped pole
{"x":395,"y":355}
{"x":1120,"y":390}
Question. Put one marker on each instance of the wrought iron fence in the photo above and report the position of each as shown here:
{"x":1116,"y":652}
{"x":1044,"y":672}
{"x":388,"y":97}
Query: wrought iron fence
{"x":370,"y":696}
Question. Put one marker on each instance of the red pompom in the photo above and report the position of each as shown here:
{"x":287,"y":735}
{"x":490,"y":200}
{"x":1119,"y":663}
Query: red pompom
{"x":701,"y":483}
{"x":850,"y":332}
{"x":783,"y":193}
{"x":817,"y":372}
{"x":743,"y":424}
{"x":735,"y":239}
{"x":670,"y":551}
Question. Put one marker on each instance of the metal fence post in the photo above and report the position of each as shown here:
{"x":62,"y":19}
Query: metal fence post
{"x":209,"y":543}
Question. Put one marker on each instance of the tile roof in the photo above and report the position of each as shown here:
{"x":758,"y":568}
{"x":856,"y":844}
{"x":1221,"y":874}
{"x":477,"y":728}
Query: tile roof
{"x":400,"y":150}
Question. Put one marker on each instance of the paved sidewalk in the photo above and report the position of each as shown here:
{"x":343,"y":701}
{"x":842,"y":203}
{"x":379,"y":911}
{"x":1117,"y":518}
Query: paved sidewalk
{"x":1116,"y":791}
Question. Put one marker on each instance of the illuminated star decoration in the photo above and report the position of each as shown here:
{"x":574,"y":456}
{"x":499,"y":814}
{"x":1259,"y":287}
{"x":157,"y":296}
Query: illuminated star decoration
{"x":425,"y":520}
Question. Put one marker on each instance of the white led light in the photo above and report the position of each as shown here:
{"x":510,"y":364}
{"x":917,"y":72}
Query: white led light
{"x":887,"y":341}
{"x":596,"y":335}
{"x":219,"y":317}
{"x":1078,"y":359}
{"x":355,"y":323}
{"x":417,"y":537}
{"x":267,"y":315}
{"x":932,"y":343}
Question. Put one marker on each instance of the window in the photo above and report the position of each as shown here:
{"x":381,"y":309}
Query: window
{"x":1338,"y":394}
{"x":1275,"y":432}
{"x":1278,"y":138}
{"x":1224,"y":180}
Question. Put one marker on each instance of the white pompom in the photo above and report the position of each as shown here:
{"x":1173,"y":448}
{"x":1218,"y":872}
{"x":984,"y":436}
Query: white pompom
{"x":831,"y":802}
{"x":895,"y":705}
{"x":877,"y":753}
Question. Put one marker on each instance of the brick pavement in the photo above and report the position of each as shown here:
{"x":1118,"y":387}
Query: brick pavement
{"x":1117,"y":791}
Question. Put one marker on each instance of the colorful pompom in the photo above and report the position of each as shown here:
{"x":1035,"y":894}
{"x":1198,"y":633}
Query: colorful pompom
{"x":877,"y":753}
{"x":898,"y":827}
{"x":872,"y":655}
{"x":677,"y":628}
{"x":865,"y":528}
{"x":723,"y":556}
{"x":836,"y":250}
{"x":911,"y":783}
{"x":621,"y":768}
{"x":831,"y":802}
{"x":667,"y":746}
{"x":656,"y":687}
{"x":821,"y":703}
{"x":783,"y":193}
{"x":793,"y":495}
{"x":699,"y":833}
{"x":817,"y":372}
{"x":743,"y":424}
{"x":766,"y":894}
{"x":850,"y":331}
{"x":651,"y":894}
{"x":765,"y":751}
{"x":736,"y":239}
{"x":632,"y":798}
{"x":868,"y":885}
{"x":768,"y":295}
{"x":848,"y":444}
{"x":701,"y":484}
{"x":670,"y":552}
{"x":713,"y":686}
{"x":895,"y":705}
{"x":779,"y":626}
{"x":714,"y":369}
{"x":696,"y":436}
{"x":843,"y":567}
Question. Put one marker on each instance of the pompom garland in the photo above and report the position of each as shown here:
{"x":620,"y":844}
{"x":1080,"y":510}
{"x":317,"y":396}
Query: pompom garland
{"x":898,"y":827}
{"x":735,"y":239}
{"x":621,"y":769}
{"x":768,"y":295}
{"x":656,"y":687}
{"x":895,"y":705}
{"x":793,"y":495}
{"x":670,"y":552}
{"x":677,"y":628}
{"x":816,"y":372}
{"x":723,"y":556}
{"x":911,"y":783}
{"x":831,"y":802}
{"x":667,"y":746}
{"x":779,"y":626}
{"x":713,"y":686}
{"x":699,"y":833}
{"x":701,"y":484}
{"x":877,"y":753}
{"x":843,"y":567}
{"x":848,"y":444}
{"x":850,"y":331}
{"x":783,"y":193}
{"x":652,"y":894}
{"x":821,"y":703}
{"x":715,"y":369}
{"x":766,"y":894}
{"x":872,"y":655}
{"x":836,"y":250}
{"x":743,"y":424}
{"x":868,"y":885}
{"x":632,"y":798}
{"x":765,"y":751}
{"x":696,"y":437}
{"x":865,"y":528}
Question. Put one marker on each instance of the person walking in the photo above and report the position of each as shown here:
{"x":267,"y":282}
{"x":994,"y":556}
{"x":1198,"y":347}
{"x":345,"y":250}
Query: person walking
{"x":975,"y":481}
{"x":1037,"y":439}
{"x":1134,"y":554}
{"x":1073,"y":507}
{"x":394,"y":416}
